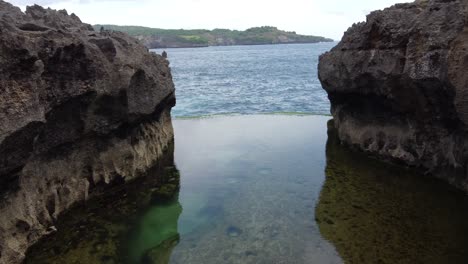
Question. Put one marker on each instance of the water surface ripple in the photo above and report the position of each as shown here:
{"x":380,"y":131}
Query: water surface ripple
{"x":248,"y":79}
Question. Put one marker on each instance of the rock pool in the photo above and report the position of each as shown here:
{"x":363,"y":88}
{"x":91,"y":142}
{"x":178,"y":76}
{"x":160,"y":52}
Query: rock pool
{"x":265,"y":189}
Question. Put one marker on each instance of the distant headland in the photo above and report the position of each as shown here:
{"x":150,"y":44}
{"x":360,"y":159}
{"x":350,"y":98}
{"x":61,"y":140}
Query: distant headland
{"x":155,"y":38}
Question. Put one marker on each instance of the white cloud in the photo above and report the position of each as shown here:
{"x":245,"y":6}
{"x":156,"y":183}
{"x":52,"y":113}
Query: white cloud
{"x":329,"y":18}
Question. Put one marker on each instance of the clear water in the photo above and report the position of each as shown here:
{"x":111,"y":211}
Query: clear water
{"x":249,"y":188}
{"x":248,"y":79}
{"x":266,"y":189}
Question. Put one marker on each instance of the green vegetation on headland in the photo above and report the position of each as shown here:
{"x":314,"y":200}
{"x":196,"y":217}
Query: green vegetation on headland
{"x":180,"y":38}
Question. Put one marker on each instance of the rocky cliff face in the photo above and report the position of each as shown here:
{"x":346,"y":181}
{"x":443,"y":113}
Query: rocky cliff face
{"x":398,"y":86}
{"x":79,"y":110}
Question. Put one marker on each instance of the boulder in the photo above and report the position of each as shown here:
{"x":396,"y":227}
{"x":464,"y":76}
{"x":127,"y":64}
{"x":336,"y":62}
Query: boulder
{"x":79,"y":110}
{"x":398,"y":86}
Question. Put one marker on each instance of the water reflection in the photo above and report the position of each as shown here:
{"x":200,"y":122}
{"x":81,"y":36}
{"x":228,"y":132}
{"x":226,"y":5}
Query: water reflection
{"x":377,"y":213}
{"x":249,"y":188}
{"x":156,"y":234}
{"x":254,"y":191}
{"x":135,"y":223}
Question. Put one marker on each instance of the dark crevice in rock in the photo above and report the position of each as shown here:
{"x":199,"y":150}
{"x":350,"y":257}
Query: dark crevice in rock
{"x":22,"y":226}
{"x":64,"y":124}
{"x":32,"y":27}
{"x":15,"y":151}
{"x":106,"y":46}
{"x":69,"y":63}
{"x":123,"y":130}
{"x":50,"y":205}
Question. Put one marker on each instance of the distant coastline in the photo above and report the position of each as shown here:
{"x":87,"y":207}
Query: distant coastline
{"x":155,"y":38}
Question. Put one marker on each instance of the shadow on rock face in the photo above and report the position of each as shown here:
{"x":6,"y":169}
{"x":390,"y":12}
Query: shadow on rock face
{"x":379,"y":213}
{"x":132,"y":223}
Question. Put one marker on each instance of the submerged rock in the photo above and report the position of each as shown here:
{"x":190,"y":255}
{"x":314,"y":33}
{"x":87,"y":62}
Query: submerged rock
{"x":162,"y":253}
{"x":123,"y":225}
{"x":233,"y":231}
{"x":398,"y":86}
{"x":79,"y":110}
{"x":375,"y":212}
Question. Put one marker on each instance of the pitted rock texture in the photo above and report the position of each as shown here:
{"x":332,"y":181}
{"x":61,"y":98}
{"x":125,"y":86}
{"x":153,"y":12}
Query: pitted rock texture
{"x":50,"y":64}
{"x":79,"y":110}
{"x":398,"y":86}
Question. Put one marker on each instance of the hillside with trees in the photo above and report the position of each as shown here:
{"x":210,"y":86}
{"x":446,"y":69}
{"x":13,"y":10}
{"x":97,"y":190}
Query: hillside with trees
{"x":180,"y":38}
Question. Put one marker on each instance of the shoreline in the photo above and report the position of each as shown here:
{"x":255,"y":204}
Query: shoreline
{"x":236,"y":45}
{"x":208,"y":116}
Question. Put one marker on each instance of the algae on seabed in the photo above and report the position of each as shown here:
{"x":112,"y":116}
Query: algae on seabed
{"x":375,"y":212}
{"x":100,"y":230}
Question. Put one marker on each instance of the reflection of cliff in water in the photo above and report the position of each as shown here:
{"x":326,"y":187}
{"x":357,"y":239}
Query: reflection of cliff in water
{"x":53,"y":181}
{"x":133,"y":223}
{"x":378,"y":213}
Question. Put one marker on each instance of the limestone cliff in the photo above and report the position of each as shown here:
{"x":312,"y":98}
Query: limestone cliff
{"x":398,"y":86}
{"x":79,"y":110}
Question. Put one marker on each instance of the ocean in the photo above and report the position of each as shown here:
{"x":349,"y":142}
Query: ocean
{"x":248,"y":79}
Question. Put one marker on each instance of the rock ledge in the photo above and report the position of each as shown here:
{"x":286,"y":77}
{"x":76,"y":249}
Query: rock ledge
{"x":398,"y":86}
{"x":79,"y":110}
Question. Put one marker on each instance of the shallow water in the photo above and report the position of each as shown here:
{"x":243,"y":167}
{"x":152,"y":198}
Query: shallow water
{"x":248,"y":79}
{"x":266,"y":189}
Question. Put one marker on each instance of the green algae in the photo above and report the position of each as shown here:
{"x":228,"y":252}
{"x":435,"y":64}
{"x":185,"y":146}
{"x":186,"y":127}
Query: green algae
{"x":153,"y":229}
{"x":379,"y":213}
{"x":98,"y":231}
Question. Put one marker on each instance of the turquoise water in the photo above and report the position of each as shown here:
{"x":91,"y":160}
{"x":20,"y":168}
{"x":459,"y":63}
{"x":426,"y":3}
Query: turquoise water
{"x":265,"y":189}
{"x":248,"y":79}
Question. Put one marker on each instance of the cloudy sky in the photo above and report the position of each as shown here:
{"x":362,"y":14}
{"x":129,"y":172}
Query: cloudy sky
{"x":329,"y":18}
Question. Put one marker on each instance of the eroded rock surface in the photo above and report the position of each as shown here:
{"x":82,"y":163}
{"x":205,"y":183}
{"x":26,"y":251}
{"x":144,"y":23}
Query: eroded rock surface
{"x":398,"y":86}
{"x":79,"y":110}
